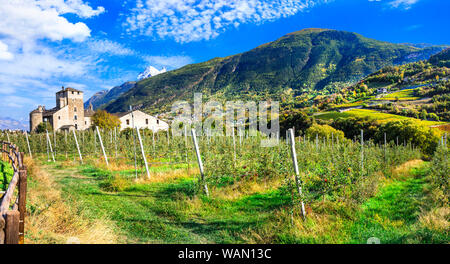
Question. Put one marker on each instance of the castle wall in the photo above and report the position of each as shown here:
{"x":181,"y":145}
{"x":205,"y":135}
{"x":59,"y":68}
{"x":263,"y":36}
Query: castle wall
{"x":60,"y":118}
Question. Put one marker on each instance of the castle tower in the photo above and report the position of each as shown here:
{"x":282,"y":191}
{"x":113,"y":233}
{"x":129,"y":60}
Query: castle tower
{"x":36,"y":118}
{"x":73,"y":100}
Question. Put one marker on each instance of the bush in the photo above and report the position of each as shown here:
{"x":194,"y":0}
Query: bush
{"x":324,"y":131}
{"x":412,"y":132}
{"x":440,"y":170}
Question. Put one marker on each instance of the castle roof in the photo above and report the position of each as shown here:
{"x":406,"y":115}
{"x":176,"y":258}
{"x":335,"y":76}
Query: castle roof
{"x":69,"y":89}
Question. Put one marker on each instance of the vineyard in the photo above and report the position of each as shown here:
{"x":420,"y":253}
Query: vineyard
{"x":156,"y":187}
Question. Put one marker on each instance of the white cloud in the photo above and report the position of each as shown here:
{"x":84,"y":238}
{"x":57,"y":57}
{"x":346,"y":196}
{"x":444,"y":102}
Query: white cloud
{"x":171,"y":62}
{"x":194,"y":20}
{"x":109,"y":47}
{"x":28,"y":20}
{"x":4,"y":53}
{"x":31,"y":65}
{"x":71,"y":6}
{"x":406,"y":4}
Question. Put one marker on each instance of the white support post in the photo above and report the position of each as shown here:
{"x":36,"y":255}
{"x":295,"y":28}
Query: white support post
{"x":28,"y":144}
{"x":186,"y":145}
{"x":297,"y":173}
{"x":54,"y":140}
{"x":234,"y":148}
{"x":385,"y":149}
{"x":101,"y":145}
{"x":134,"y":141}
{"x":199,"y":159}
{"x":78,"y":147}
{"x":50,"y":145}
{"x":115,"y":141}
{"x":143,"y":152}
{"x":7,"y":135}
{"x":168,"y":141}
{"x":153,"y":141}
{"x":362,"y":151}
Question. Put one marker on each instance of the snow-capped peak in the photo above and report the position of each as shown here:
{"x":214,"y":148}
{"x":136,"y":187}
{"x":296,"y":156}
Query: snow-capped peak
{"x":150,"y":71}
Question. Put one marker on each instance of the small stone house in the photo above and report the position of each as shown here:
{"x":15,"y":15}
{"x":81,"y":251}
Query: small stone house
{"x":141,"y":120}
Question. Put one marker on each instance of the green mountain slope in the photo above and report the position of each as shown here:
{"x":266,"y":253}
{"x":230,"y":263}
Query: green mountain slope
{"x":106,"y":96}
{"x":307,"y":61}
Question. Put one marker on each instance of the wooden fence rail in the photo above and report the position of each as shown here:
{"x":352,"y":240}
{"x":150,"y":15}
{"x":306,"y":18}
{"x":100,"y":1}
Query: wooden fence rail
{"x":12,"y":216}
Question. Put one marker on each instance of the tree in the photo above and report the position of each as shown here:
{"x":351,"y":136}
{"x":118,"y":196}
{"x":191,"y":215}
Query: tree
{"x":407,"y":130}
{"x":324,"y":131}
{"x":43,"y":127}
{"x":105,"y":120}
{"x":299,"y":120}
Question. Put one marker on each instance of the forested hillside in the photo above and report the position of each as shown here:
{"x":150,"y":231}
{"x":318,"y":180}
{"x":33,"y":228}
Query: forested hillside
{"x":313,"y":61}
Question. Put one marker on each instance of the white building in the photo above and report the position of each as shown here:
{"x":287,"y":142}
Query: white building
{"x":141,"y":120}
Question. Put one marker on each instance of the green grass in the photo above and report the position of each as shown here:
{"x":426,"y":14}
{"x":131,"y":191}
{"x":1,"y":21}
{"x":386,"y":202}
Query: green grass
{"x":403,"y":95}
{"x":392,"y":215}
{"x":372,"y":115}
{"x":173,"y":211}
{"x":161,"y":212}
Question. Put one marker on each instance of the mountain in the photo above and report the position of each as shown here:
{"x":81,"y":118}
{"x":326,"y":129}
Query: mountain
{"x":106,"y":96}
{"x":442,"y":59}
{"x":309,"y":61}
{"x":12,"y":124}
{"x":150,"y":71}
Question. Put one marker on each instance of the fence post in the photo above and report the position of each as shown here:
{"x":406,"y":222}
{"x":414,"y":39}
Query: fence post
{"x":143,"y":153}
{"x":297,"y":173}
{"x":199,"y":159}
{"x":78,"y":147}
{"x":2,"y":230}
{"x":101,"y":145}
{"x":12,"y":227}
{"x":22,"y":202}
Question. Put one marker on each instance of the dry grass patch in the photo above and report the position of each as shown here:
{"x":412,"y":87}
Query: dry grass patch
{"x":404,"y":169}
{"x":244,"y":188}
{"x":291,"y":228}
{"x":437,"y":219}
{"x":52,"y":220}
{"x":158,"y":177}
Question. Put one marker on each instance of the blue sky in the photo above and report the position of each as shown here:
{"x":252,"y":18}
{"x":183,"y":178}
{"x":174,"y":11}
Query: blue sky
{"x":97,"y":44}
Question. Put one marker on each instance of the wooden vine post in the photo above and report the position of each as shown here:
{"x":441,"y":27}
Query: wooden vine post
{"x":101,"y":145}
{"x":199,"y":159}
{"x":297,"y":173}
{"x":28,"y":144}
{"x":143,"y":152}
{"x":78,"y":147}
{"x":50,"y":145}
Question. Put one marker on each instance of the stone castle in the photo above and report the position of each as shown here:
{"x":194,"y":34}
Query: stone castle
{"x":69,"y":113}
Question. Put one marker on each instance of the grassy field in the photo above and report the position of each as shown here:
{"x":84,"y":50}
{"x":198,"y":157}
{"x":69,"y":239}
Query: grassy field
{"x":166,"y":209}
{"x":403,"y":95}
{"x":373,"y":115}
